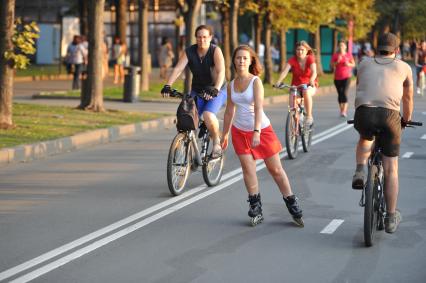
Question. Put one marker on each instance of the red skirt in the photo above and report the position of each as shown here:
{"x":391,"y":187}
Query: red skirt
{"x":269,"y":143}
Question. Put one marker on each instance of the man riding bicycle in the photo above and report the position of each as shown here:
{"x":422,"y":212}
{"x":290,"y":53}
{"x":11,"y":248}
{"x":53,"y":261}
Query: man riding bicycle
{"x":207,"y":65}
{"x":420,"y":61}
{"x":382,"y":82}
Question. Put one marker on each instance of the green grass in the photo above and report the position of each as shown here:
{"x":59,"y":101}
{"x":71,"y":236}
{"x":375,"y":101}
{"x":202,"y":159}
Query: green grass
{"x":36,"y":123}
{"x":40,"y":70}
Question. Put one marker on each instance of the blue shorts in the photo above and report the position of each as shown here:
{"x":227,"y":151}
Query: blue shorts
{"x":212,"y":105}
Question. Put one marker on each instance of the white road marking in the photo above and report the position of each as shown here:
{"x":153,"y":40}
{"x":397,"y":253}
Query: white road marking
{"x":407,"y":154}
{"x":228,"y":179}
{"x":423,"y":137}
{"x":424,"y":113}
{"x":332,"y":226}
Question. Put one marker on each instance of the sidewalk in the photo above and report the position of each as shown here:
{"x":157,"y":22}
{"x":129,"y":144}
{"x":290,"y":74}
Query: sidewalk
{"x":26,"y":153}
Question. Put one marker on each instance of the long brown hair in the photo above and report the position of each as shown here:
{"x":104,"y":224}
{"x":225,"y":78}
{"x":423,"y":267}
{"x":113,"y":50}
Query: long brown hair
{"x":255,"y":67}
{"x":306,"y":45}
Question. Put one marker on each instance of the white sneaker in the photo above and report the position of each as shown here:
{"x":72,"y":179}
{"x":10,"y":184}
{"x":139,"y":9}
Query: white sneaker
{"x":419,"y":91}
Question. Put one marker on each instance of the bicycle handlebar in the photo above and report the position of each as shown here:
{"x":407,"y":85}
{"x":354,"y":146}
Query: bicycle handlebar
{"x":176,"y":93}
{"x":282,"y":86}
{"x":409,"y":123}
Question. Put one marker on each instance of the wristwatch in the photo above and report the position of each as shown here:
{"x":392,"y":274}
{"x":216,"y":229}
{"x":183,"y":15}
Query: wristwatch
{"x":256,"y":130}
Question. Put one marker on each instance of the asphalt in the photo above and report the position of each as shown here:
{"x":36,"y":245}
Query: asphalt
{"x":25,"y":89}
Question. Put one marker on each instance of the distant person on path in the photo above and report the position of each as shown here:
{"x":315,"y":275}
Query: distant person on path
{"x":252,"y":134}
{"x":118,"y":55}
{"x":304,"y":71}
{"x":207,"y":65}
{"x":165,"y":57}
{"x":342,"y":63}
{"x":420,"y":61}
{"x":383,"y":82}
{"x":77,"y":57}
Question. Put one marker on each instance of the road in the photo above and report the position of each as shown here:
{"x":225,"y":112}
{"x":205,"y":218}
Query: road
{"x":104,"y":214}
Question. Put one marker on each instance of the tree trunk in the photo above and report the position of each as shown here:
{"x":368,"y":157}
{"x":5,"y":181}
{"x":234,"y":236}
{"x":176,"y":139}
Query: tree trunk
{"x":7,"y":18}
{"x":283,"y":49}
{"x":235,"y":5}
{"x":143,"y":44}
{"x":226,"y":43}
{"x":318,"y":49}
{"x":257,"y":32}
{"x":267,"y":55}
{"x":83,"y":10}
{"x":93,"y":85}
{"x":190,"y":21}
{"x":121,"y":22}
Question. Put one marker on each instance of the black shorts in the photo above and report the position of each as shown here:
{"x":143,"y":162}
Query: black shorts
{"x":370,"y":119}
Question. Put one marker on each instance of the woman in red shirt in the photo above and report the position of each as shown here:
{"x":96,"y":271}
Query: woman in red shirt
{"x":304,"y":71}
{"x":342,"y":63}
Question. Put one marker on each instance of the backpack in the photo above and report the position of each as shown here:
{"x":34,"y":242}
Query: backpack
{"x":187,"y":114}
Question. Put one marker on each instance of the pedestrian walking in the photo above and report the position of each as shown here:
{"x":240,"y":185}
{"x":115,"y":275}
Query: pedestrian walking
{"x":77,"y":58}
{"x":118,"y":54}
{"x":165,"y":57}
{"x":252,"y":134}
{"x":342,"y":63}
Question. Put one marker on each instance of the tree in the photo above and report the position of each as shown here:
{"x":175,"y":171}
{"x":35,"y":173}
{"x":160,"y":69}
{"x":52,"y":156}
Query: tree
{"x":7,"y":18}
{"x":16,"y":42}
{"x":92,"y":92}
{"x":83,"y":11}
{"x":190,"y":10}
{"x":143,"y":43}
{"x":121,"y":23}
{"x":224,"y":8}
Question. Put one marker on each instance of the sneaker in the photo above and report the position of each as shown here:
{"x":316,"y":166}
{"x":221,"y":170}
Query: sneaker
{"x":419,"y":91}
{"x":358,"y":180}
{"x":392,"y":221}
{"x":217,"y":151}
{"x":343,"y":115}
{"x":309,"y":121}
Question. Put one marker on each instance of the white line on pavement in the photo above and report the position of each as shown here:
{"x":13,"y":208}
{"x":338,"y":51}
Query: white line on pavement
{"x":407,"y":154}
{"x":332,"y":226}
{"x":99,"y":243}
{"x":423,"y":137}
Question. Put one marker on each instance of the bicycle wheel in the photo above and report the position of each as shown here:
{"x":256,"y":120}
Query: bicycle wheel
{"x":371,"y":207}
{"x":291,"y":135}
{"x":178,"y":163}
{"x":306,"y":137}
{"x":212,"y":167}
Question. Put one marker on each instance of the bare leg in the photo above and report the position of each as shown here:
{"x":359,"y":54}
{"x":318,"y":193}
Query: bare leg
{"x":277,"y":172}
{"x":248,"y":164}
{"x":390,"y":167}
{"x":363,"y":150}
{"x":212,"y":124}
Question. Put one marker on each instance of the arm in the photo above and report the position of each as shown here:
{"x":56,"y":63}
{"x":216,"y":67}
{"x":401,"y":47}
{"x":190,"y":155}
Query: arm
{"x":313,"y":74}
{"x":407,"y":97}
{"x":283,"y":74}
{"x":227,"y":118}
{"x":351,"y":62}
{"x":416,"y":58}
{"x":219,"y":68}
{"x":258,"y":110}
{"x":180,"y":66}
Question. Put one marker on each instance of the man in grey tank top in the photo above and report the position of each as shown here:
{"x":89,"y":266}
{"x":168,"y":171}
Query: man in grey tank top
{"x":382,"y":83}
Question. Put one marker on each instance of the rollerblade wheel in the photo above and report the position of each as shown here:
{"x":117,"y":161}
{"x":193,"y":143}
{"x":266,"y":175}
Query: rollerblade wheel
{"x":299,"y":221}
{"x":256,"y":220}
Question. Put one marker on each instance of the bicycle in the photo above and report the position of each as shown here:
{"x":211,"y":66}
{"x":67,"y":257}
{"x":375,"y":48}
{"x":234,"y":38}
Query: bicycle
{"x":185,"y":156}
{"x":372,"y":198}
{"x":295,"y":125}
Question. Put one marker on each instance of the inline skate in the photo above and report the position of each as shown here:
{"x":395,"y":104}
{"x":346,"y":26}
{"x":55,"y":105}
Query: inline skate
{"x":294,"y":209}
{"x":255,"y":211}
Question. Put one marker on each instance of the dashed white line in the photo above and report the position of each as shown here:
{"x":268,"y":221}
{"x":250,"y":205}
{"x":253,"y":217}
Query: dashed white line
{"x":423,"y":137}
{"x":407,"y":154}
{"x":332,"y":226}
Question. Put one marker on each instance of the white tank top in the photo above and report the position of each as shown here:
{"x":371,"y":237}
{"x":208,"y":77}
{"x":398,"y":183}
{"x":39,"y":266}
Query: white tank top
{"x":244,"y":114}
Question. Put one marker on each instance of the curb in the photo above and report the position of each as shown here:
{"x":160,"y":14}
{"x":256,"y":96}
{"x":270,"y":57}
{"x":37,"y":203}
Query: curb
{"x":29,"y":152}
{"x":57,"y":95}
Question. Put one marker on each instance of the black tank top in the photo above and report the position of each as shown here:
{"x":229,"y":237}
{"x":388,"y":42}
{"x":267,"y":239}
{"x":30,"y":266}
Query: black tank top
{"x":201,"y":68}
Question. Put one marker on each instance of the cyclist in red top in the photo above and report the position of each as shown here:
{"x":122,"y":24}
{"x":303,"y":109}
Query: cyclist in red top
{"x":304,"y":71}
